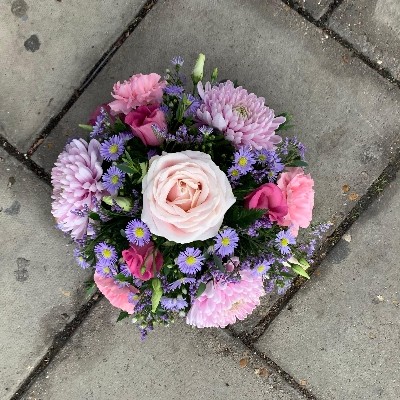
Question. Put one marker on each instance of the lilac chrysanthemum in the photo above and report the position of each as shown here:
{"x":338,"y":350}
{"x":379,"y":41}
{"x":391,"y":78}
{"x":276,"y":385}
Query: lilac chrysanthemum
{"x":137,"y":232}
{"x":112,"y":148}
{"x":113,"y":179}
{"x":76,"y":183}
{"x":190,"y":260}
{"x":226,"y":242}
{"x":241,"y":116}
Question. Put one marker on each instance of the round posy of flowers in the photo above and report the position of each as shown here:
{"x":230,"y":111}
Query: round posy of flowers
{"x":185,"y":196}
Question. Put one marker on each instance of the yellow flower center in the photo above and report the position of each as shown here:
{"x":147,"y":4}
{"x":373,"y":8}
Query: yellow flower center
{"x":284,"y":242}
{"x":225,"y":241}
{"x":139,"y":232}
{"x":190,"y":260}
{"x":113,"y":149}
{"x":235,"y":172}
{"x":242,"y":111}
{"x":114,"y":179}
{"x":261,"y":268}
{"x":106,"y":253}
{"x":242,"y":161}
{"x":106,"y":270}
{"x":236,"y":305}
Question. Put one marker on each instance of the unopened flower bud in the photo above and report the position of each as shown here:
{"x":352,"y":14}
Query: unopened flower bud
{"x":197,"y":74}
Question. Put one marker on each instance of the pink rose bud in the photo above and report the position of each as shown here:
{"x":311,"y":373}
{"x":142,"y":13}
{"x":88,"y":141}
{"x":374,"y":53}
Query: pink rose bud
{"x":144,"y":262}
{"x":141,"y":121}
{"x":268,"y":197}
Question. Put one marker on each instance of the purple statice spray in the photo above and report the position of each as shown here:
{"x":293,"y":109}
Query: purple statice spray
{"x":137,"y":232}
{"x":113,"y":179}
{"x":177,"y":61}
{"x":226,"y":242}
{"x":190,"y":261}
{"x":173,"y":304}
{"x":112,"y":148}
{"x":283,"y":240}
{"x":101,"y":124}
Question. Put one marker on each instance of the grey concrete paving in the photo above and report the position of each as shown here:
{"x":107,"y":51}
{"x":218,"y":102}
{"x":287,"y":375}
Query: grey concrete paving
{"x":317,"y":8}
{"x":347,"y":115}
{"x":105,"y":360}
{"x":373,"y":27}
{"x":47,"y":49}
{"x":342,"y":333}
{"x":41,"y":288}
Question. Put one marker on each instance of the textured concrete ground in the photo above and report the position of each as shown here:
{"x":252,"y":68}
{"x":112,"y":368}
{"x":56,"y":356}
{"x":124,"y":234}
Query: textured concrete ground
{"x":335,"y":338}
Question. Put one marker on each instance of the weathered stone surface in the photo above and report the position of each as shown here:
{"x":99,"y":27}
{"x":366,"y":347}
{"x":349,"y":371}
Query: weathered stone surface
{"x":317,"y":8}
{"x":107,"y":360}
{"x":343,"y":330}
{"x":41,"y":288}
{"x":47,"y":49}
{"x":373,"y":27}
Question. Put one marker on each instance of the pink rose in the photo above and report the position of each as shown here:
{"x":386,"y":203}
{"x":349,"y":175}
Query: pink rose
{"x":139,"y":90}
{"x":141,"y":120}
{"x":268,"y":197}
{"x":298,"y":191}
{"x":185,"y":196}
{"x":117,"y":296}
{"x":144,"y":262}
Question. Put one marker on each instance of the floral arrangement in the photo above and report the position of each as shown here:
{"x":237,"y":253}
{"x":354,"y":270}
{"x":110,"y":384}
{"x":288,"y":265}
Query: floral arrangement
{"x":185,"y":203}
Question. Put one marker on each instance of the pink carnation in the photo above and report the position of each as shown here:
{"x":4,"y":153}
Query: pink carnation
{"x":222,"y":303}
{"x":76,"y":184}
{"x":242,"y":117}
{"x":298,"y":191}
{"x":139,"y":90}
{"x":116,"y":295}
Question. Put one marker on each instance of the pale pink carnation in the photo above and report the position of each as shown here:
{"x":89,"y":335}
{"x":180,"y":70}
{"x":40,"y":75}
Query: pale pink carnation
{"x":298,"y":191}
{"x":116,"y":295}
{"x":139,"y":90}
{"x":221,"y":304}
{"x":242,"y":117}
{"x":76,"y":183}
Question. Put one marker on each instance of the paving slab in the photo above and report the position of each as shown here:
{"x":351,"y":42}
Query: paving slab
{"x":48,"y":48}
{"x":342,"y":332}
{"x":41,"y":286}
{"x":317,"y":8}
{"x":346,"y":114}
{"x":373,"y":28}
{"x":107,"y":360}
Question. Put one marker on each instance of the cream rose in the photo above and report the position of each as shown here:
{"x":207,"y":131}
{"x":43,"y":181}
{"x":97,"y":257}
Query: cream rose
{"x":185,"y":196}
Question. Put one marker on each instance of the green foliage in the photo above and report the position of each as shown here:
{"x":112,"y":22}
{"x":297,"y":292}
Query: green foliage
{"x":297,"y":163}
{"x":156,"y":295}
{"x":86,"y":127}
{"x":287,"y":124}
{"x":122,"y":315}
{"x":240,"y":217}
{"x":201,"y":289}
{"x":299,"y":270}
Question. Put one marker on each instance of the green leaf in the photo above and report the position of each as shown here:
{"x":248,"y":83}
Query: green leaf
{"x":157,"y":293}
{"x":121,"y":277}
{"x":94,"y":216}
{"x":119,"y":126}
{"x":303,"y":262}
{"x":201,"y":289}
{"x":242,"y":217}
{"x":168,"y":243}
{"x":218,"y":262}
{"x":286,"y":125}
{"x":297,"y":163}
{"x":126,"y":168}
{"x":122,"y":315}
{"x":90,"y":289}
{"x":299,"y":270}
{"x":86,"y":127}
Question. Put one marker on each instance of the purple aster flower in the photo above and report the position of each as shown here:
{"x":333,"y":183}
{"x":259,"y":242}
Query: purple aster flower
{"x":244,"y":159}
{"x":283,"y":239}
{"x":226,"y":242}
{"x":182,"y":281}
{"x":194,"y":105}
{"x":125,"y":270}
{"x":173,"y":304}
{"x":206,"y":130}
{"x":106,"y":271}
{"x":269,"y":285}
{"x":80,"y":259}
{"x":113,"y":179}
{"x":106,"y":253}
{"x":174,"y":90}
{"x":190,"y":261}
{"x":234,"y":173}
{"x":177,"y":61}
{"x":100,"y":124}
{"x":137,"y":232}
{"x":164,"y":108}
{"x":283,"y":289}
{"x":125,"y":136}
{"x":112,"y":148}
{"x":262,"y":267}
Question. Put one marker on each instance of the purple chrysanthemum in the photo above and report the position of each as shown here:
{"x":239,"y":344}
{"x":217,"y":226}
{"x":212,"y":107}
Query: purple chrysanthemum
{"x":112,"y":148}
{"x":173,"y":304}
{"x":113,"y":179}
{"x":283,"y":239}
{"x":242,"y":117}
{"x":76,"y":181}
{"x":137,"y":232}
{"x":244,"y":160}
{"x":190,"y":261}
{"x":106,"y":253}
{"x":226,"y":242}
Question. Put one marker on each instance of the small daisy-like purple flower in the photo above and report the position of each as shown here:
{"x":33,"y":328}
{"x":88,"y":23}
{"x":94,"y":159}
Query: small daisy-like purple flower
{"x":133,"y":298}
{"x":174,"y":90}
{"x":173,"y":304}
{"x":244,"y":160}
{"x":177,"y":60}
{"x":234,"y":173}
{"x":80,"y":259}
{"x":137,"y":232}
{"x":262,"y":267}
{"x":283,"y":239}
{"x":106,"y":253}
{"x":113,"y":179}
{"x":194,"y":105}
{"x":190,"y":261}
{"x":206,"y":130}
{"x":112,"y":148}
{"x":106,"y":271}
{"x":226,"y":242}
{"x":177,"y":284}
{"x":125,"y":270}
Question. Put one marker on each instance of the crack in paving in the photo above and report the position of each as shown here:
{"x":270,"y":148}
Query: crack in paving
{"x":92,"y":74}
{"x":331,"y":9}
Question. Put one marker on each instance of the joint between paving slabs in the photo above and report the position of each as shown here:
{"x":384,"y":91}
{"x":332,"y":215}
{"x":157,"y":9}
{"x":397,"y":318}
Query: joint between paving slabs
{"x":105,"y":58}
{"x":321,"y":24}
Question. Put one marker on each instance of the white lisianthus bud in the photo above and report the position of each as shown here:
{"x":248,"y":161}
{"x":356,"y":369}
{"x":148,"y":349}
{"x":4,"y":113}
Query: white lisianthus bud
{"x":197,"y":74}
{"x":124,"y":202}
